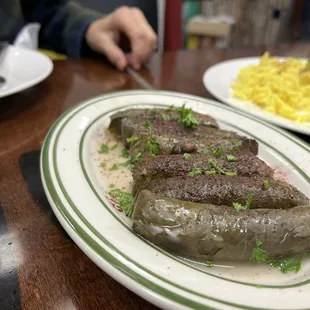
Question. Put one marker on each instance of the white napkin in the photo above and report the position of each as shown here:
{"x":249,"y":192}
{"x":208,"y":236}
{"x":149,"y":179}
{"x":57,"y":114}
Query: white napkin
{"x":28,"y":36}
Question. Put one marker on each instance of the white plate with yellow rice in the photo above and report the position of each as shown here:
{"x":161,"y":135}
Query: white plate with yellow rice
{"x":274,"y":89}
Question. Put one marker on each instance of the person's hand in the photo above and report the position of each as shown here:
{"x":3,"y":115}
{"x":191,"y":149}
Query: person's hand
{"x":104,"y":36}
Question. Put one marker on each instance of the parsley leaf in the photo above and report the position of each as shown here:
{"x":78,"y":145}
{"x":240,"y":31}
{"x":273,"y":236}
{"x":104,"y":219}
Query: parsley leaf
{"x":114,"y":167}
{"x":103,"y":164}
{"x":155,"y":111}
{"x":239,"y":207}
{"x":152,"y":144}
{"x":132,"y":139}
{"x":171,"y":108}
{"x":218,"y":152}
{"x":148,"y":124}
{"x":114,"y":147}
{"x":186,"y":156}
{"x":137,"y":158}
{"x":284,"y":264}
{"x":196,"y":171}
{"x":128,"y":164}
{"x":104,"y":149}
{"x":209,"y":263}
{"x":287,"y":264}
{"x":266,"y":184}
{"x":187,"y":118}
{"x":166,"y":117}
{"x":125,"y":200}
{"x":231,"y":158}
{"x":258,"y":254}
{"x":213,"y":165}
{"x":235,"y":141}
{"x":131,"y":162}
{"x":125,"y":153}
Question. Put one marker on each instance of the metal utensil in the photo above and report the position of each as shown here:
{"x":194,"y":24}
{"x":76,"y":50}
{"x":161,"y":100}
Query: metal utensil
{"x":3,"y":49}
{"x":138,"y":78}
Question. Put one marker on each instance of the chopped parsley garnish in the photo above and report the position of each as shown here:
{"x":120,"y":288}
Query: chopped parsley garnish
{"x":258,"y":254}
{"x":239,"y":207}
{"x":103,"y":149}
{"x":111,"y":185}
{"x":231,"y":158}
{"x":287,"y":264}
{"x":171,"y":108}
{"x":125,"y":200}
{"x":137,"y":158}
{"x":186,"y":156}
{"x":128,"y":164}
{"x":196,"y":171}
{"x":205,"y":151}
{"x":103,"y":164}
{"x":266,"y":184}
{"x":131,"y":162}
{"x":114,"y":147}
{"x":235,"y":141}
{"x":187,"y":118}
{"x":236,"y":148}
{"x":166,"y":117}
{"x":114,"y":167}
{"x":125,"y":153}
{"x":148,"y":124}
{"x":209,"y":263}
{"x":210,"y":172}
{"x":213,"y":165}
{"x":152,"y":143}
{"x":132,"y":139}
{"x":218,"y":152}
{"x":155,"y":111}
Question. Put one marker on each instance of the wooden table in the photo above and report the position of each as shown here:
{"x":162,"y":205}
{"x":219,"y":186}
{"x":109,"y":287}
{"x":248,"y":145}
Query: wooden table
{"x":40,"y":267}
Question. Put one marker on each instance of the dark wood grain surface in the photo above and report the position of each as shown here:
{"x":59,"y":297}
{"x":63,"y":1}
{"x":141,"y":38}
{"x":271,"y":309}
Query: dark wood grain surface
{"x":40,"y":267}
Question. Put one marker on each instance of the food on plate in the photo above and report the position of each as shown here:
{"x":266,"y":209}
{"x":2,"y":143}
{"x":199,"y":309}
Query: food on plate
{"x":202,"y":192}
{"x":165,"y":120}
{"x":205,"y":231}
{"x":280,"y":87}
{"x":180,"y":144}
{"x":226,"y":190}
{"x":166,"y":166}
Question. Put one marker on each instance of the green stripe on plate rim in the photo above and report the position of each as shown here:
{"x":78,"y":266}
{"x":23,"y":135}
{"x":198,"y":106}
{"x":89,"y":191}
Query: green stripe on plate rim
{"x":82,"y":234}
{"x":157,"y":248}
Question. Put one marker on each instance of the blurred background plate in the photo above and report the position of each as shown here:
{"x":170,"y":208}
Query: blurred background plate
{"x":218,"y":80}
{"x":22,"y":69}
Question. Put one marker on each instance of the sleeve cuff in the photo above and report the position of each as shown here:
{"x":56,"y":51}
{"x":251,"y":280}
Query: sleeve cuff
{"x":75,"y":43}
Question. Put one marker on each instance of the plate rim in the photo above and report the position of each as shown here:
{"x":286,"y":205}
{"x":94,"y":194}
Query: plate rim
{"x":88,"y":102}
{"x":266,"y":118}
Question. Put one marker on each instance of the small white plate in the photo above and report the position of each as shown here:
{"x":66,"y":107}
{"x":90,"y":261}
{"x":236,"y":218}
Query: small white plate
{"x":23,"y":68}
{"x":218,"y":80}
{"x":77,"y":191}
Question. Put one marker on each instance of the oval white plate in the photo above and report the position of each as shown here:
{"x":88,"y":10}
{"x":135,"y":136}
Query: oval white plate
{"x":22,"y":69}
{"x":76,"y":192}
{"x":218,"y":80}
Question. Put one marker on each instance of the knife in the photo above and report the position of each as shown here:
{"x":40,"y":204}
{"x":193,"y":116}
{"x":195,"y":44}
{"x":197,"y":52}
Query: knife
{"x":138,"y":78}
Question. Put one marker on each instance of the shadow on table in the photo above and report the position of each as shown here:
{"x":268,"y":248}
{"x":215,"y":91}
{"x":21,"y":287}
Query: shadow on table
{"x":30,"y":166}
